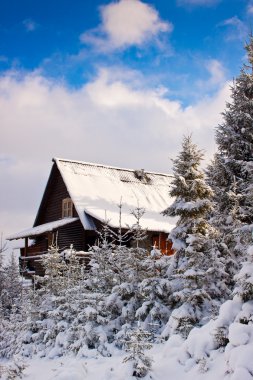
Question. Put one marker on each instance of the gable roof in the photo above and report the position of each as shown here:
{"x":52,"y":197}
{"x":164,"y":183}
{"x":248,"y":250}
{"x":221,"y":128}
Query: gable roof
{"x":96,"y":190}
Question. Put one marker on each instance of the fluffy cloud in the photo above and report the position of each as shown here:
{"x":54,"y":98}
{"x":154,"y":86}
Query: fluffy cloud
{"x":108,"y":120}
{"x":217,"y":75}
{"x":250,"y":8}
{"x":126,"y":23}
{"x":237,"y":28}
{"x":216,"y":71}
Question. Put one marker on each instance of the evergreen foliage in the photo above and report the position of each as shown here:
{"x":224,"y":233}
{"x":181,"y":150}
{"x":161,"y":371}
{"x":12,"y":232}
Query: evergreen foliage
{"x":136,"y":341}
{"x":55,"y":268}
{"x":10,"y":286}
{"x":197,"y":277}
{"x":244,"y":279}
{"x":12,"y":309}
{"x":231,"y":173}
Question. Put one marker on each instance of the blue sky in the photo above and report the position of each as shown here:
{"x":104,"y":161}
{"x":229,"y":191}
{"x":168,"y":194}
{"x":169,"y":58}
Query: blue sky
{"x":46,"y":35}
{"x":117,"y":82}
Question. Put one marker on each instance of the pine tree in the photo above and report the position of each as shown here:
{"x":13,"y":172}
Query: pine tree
{"x":198,"y":279}
{"x":12,"y":310}
{"x":131,"y":280}
{"x":11,"y":293}
{"x":232,"y":168}
{"x":155,"y":291}
{"x":136,"y":341}
{"x":244,"y":279}
{"x":55,"y":268}
{"x":134,"y":268}
{"x":103,"y":272}
{"x":235,"y":138}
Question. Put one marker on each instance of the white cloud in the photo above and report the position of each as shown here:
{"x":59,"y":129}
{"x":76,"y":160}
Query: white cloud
{"x":216,"y":70}
{"x":108,"y":121}
{"x":126,"y":23}
{"x":30,"y":25}
{"x":250,"y":8}
{"x":198,"y":2}
{"x":217,"y":76}
{"x":238,"y":30}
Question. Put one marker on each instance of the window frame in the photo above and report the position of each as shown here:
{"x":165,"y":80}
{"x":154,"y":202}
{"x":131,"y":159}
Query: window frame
{"x":67,"y":208}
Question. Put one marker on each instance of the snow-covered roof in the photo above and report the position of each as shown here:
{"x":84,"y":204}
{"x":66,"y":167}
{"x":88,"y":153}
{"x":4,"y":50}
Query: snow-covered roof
{"x":39,"y":230}
{"x":96,"y":190}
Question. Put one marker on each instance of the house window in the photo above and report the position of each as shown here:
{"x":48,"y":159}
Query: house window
{"x":67,"y":208}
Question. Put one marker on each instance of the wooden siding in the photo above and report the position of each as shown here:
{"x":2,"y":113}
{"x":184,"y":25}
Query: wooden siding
{"x":72,"y":233}
{"x":40,"y":246}
{"x":51,"y":204}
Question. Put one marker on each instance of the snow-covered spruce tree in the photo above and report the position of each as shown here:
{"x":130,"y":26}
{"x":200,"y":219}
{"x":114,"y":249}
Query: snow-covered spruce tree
{"x":48,"y":303}
{"x":55,"y":267}
{"x":197,"y":276}
{"x":12,"y":310}
{"x":231,"y":331}
{"x":136,"y":341}
{"x":233,"y":164}
{"x":244,"y":280}
{"x":235,"y":138}
{"x":75,"y":267}
{"x":132,"y":282}
{"x":103,"y":273}
{"x":11,"y":293}
{"x":143,"y":289}
{"x":155,"y":291}
{"x":69,"y":315}
{"x":225,"y":216}
{"x":134,"y":267}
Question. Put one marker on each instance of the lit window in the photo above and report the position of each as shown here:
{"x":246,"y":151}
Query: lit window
{"x":67,"y":208}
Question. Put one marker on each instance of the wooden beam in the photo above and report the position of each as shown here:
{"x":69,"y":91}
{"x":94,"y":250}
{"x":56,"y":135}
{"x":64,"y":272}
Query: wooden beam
{"x":26,"y":246}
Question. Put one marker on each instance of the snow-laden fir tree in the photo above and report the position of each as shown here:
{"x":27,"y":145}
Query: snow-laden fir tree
{"x":132,"y":282}
{"x":225,"y":215}
{"x":244,"y":279}
{"x":235,"y":138}
{"x":13,"y":310}
{"x":55,"y":267}
{"x":133,"y":265}
{"x":197,"y":276}
{"x":136,"y":342}
{"x":233,"y":164}
{"x":104,"y":273}
{"x":155,"y":292}
{"x":67,"y":313}
{"x":11,"y":292}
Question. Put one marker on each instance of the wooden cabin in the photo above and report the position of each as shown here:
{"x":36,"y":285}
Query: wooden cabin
{"x":80,"y":196}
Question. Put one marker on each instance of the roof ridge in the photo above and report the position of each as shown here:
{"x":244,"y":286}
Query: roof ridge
{"x":57,"y":159}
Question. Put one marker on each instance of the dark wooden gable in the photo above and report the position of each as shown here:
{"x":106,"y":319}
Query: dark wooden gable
{"x":50,"y":210}
{"x":51,"y":205}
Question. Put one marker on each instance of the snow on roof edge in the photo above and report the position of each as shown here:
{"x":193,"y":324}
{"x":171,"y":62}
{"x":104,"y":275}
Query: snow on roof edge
{"x":42,"y":228}
{"x":56,"y":159}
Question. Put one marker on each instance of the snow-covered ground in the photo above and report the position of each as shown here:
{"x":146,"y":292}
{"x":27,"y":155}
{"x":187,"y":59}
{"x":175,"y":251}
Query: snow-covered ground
{"x":96,"y":367}
{"x":199,"y":357}
{"x":166,"y":365}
